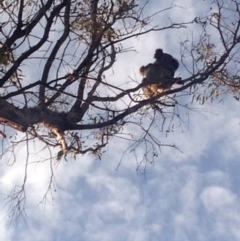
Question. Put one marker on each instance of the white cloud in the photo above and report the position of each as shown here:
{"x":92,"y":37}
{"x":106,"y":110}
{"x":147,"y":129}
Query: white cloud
{"x":215,"y":198}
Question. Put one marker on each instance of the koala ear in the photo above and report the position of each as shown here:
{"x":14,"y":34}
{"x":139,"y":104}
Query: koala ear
{"x":142,"y":71}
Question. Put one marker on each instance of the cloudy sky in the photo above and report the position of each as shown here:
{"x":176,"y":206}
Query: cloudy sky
{"x":183,"y":196}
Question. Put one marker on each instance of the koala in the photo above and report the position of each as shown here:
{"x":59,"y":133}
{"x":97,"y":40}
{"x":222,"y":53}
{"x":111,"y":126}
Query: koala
{"x":159,"y":76}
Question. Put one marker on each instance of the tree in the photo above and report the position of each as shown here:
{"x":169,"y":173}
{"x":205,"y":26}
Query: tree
{"x":70,"y":104}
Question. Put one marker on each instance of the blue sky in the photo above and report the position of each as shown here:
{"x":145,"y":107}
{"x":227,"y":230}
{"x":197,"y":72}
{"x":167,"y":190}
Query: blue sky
{"x":188,"y":195}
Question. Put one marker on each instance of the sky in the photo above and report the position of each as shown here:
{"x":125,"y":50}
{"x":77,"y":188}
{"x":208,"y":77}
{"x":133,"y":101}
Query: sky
{"x":192,"y":194}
